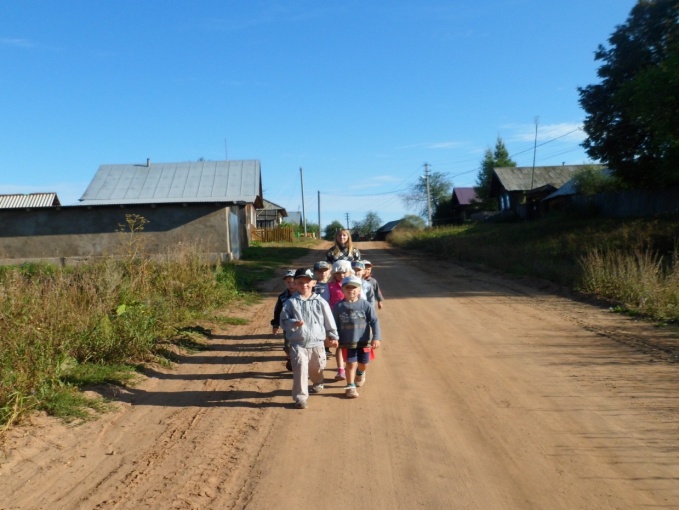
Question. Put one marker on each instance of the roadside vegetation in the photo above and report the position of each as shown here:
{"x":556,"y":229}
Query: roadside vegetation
{"x":64,"y":329}
{"x":632,"y":263}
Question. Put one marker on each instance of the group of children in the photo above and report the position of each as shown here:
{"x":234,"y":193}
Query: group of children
{"x":332,"y":305}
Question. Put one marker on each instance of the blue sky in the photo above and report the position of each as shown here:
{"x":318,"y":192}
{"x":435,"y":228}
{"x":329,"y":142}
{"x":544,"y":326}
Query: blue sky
{"x":359,"y":94}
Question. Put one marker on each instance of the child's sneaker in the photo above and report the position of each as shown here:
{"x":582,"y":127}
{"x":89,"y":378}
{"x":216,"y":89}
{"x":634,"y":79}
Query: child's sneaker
{"x":341,"y":375}
{"x":360,"y":379}
{"x":301,"y":404}
{"x":351,"y":392}
{"x":288,"y":365}
{"x":317,"y":388}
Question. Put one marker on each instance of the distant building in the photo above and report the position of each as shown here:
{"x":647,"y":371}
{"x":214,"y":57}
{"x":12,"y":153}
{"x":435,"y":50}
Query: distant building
{"x":271,"y":215}
{"x":462,"y":203}
{"x":210,"y":203}
{"x":386,"y":229}
{"x":29,"y":201}
{"x":521,"y":189}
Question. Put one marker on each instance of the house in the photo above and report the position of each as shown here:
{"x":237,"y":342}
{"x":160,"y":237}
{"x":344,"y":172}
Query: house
{"x":211,"y":203}
{"x":462,"y":203}
{"x":271,"y":215}
{"x":520,"y":190}
{"x":29,"y":201}
{"x":386,"y":229}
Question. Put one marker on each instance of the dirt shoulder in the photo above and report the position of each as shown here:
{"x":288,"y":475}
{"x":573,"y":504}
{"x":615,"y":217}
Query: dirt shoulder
{"x":487,"y":394}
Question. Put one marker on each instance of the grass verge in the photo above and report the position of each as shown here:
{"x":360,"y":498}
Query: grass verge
{"x":630,"y":262}
{"x":64,"y":329}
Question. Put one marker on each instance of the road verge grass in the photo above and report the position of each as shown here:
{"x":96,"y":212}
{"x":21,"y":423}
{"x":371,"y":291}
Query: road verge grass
{"x":633,"y":263}
{"x":63,"y":329}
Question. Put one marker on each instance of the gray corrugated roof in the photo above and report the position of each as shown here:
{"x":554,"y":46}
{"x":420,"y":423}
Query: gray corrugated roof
{"x":523,"y":178}
{"x":31,"y":200}
{"x":198,"y":181}
{"x":389,"y":226}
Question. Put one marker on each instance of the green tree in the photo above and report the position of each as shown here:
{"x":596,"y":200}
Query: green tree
{"x":443,"y":213}
{"x":366,"y":228}
{"x":440,"y":188}
{"x":412,"y":221}
{"x":631,"y":121}
{"x":593,"y":179}
{"x":331,"y":229}
{"x":491,"y":160}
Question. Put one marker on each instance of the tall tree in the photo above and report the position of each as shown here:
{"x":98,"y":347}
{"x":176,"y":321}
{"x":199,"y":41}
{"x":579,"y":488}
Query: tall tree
{"x":331,"y":229}
{"x":440,"y":188}
{"x":491,"y":159}
{"x":412,"y":221}
{"x":366,"y":228}
{"x":631,"y":120}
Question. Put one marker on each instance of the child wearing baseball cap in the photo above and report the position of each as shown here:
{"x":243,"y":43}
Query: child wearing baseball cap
{"x":359,"y":333}
{"x":309,"y":324}
{"x":368,"y":276}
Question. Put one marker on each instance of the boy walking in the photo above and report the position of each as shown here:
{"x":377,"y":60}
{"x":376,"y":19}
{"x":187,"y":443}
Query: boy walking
{"x":309,"y":324}
{"x":356,"y":320}
{"x":289,"y":279}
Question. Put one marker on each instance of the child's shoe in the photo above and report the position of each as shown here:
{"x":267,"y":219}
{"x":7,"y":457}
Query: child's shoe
{"x":341,"y":375}
{"x":288,"y":365}
{"x":360,"y":379}
{"x":317,"y":388}
{"x":351,"y":392}
{"x":301,"y":404}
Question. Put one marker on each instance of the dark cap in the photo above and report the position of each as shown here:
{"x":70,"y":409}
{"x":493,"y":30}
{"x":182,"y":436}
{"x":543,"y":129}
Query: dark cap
{"x":357,"y":264}
{"x":303,"y":272}
{"x":322,"y":264}
{"x":289,"y":273}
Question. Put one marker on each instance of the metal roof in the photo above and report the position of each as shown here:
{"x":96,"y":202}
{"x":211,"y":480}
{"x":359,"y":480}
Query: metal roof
{"x":524,"y":178}
{"x":29,"y":201}
{"x":464,"y":196}
{"x":155,"y":183}
{"x":389,"y":226}
{"x":269,"y":205}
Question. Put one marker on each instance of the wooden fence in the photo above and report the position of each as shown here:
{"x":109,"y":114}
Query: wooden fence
{"x":271,"y":235}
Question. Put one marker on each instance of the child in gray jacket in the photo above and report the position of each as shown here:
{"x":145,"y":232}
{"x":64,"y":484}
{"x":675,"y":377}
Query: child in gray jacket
{"x":359,"y":333}
{"x":308,"y":322}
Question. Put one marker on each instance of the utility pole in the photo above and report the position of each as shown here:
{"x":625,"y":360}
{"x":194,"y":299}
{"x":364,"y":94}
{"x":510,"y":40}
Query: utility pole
{"x":301,"y":175}
{"x":347,"y":214}
{"x":535,"y":146}
{"x":426,"y":176}
{"x":319,"y":214}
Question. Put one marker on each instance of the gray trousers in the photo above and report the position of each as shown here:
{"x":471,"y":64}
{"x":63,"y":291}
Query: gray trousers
{"x":307,"y":363}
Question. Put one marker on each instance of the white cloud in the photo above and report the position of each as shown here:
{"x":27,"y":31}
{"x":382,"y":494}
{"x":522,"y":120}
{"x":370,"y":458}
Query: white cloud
{"x":17,"y":42}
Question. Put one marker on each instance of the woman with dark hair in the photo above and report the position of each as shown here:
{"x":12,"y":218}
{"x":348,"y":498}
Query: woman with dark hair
{"x":343,"y":248}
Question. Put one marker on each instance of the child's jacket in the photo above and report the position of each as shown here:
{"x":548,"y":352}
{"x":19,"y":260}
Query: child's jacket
{"x":316,"y":315}
{"x":355,"y":322}
{"x":282,"y":298}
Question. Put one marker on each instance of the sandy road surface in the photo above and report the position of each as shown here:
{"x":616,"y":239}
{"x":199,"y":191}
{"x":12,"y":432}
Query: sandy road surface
{"x":487,"y":395}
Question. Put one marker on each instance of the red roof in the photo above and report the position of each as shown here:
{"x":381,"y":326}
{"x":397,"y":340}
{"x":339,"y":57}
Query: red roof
{"x":464,"y":196}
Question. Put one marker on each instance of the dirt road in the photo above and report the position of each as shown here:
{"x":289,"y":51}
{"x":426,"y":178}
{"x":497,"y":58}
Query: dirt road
{"x":487,"y":394}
